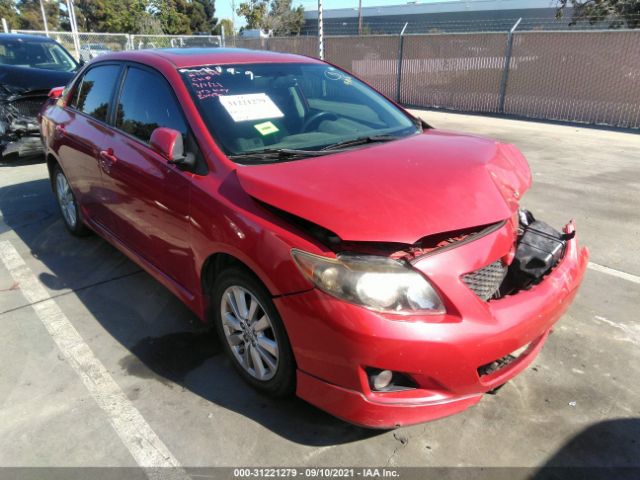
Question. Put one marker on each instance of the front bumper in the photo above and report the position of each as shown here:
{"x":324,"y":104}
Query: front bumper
{"x":334,"y":341}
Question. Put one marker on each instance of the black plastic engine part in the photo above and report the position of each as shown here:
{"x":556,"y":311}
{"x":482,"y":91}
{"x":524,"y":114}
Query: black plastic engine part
{"x":539,"y":249}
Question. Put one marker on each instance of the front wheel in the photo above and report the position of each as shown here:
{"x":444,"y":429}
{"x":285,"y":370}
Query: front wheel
{"x":252,"y":333}
{"x":67,"y":204}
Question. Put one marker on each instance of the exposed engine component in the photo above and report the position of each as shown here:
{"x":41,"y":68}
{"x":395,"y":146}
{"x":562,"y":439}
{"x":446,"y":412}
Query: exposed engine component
{"x":19,"y":131}
{"x":539,"y":248}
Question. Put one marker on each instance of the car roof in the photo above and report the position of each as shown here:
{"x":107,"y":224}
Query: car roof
{"x":193,"y":57}
{"x":4,"y":37}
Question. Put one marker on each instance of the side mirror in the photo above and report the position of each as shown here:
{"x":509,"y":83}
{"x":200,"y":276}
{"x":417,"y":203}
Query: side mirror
{"x":56,"y":92}
{"x":168,"y":143}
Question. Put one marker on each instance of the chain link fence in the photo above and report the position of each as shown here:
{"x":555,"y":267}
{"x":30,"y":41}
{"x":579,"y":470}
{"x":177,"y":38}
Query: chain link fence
{"x":94,"y":44}
{"x":139,"y":42}
{"x":89,"y":42}
{"x":577,"y":76}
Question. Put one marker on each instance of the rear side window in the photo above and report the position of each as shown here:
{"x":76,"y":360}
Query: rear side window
{"x":146,"y":103}
{"x":95,"y":91}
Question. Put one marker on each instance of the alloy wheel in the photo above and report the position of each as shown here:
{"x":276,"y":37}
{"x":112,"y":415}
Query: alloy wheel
{"x":66,"y":200}
{"x":249,"y":332}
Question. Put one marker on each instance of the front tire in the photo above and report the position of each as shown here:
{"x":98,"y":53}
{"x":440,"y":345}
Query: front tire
{"x":67,"y":204}
{"x":252,"y":333}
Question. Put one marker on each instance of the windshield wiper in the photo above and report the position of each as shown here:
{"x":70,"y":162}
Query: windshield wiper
{"x":276,"y":154}
{"x":360,"y":141}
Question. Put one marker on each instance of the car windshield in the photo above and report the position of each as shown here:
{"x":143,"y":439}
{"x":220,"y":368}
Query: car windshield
{"x":35,"y":54}
{"x":293,"y":109}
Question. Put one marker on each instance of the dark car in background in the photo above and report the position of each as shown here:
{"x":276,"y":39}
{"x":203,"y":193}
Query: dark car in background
{"x":30,"y":66}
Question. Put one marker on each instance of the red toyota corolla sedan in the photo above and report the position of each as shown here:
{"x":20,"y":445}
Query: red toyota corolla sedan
{"x":342,"y":248}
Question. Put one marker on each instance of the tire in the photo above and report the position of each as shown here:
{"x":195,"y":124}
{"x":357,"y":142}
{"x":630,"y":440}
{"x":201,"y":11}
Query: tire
{"x":67,"y":204}
{"x":250,"y":341}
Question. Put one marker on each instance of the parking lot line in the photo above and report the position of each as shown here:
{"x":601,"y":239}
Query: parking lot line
{"x":615,"y":273}
{"x":143,"y":443}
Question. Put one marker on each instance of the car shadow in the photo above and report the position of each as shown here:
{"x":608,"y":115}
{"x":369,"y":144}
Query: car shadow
{"x":14,"y":160}
{"x":165,"y":340}
{"x":606,"y":450}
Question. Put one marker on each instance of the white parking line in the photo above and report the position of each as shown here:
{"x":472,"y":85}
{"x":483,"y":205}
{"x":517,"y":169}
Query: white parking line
{"x":137,"y":435}
{"x":615,"y":273}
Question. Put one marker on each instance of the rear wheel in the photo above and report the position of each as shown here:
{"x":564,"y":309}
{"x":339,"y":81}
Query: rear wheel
{"x":67,"y":204}
{"x":252,"y":332}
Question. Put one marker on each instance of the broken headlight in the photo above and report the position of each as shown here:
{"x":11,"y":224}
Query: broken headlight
{"x":377,"y":283}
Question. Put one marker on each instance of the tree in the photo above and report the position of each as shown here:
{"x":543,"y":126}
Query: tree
{"x":9,"y":13}
{"x":184,"y":17}
{"x":254,"y":12}
{"x":30,"y":15}
{"x":173,"y":16}
{"x":123,"y":16}
{"x":285,"y":20}
{"x":209,"y":8}
{"x":149,"y":25}
{"x":278,"y":16}
{"x":227,"y":25}
{"x":617,"y":13}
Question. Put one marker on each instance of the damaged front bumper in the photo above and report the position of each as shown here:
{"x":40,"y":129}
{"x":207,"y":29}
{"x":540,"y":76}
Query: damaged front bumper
{"x":19,"y":130}
{"x":453,"y":359}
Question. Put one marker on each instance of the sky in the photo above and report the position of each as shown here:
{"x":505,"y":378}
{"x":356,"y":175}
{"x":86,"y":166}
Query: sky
{"x":223,"y":7}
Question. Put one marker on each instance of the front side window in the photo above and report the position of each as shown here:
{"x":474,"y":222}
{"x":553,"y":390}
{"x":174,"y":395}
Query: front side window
{"x":257,"y":107}
{"x":146,"y":103}
{"x":36,"y":54}
{"x":94,"y":92}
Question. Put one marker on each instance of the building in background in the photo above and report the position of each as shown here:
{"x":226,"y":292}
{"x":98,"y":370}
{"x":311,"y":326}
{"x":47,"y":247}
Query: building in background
{"x":441,"y":16}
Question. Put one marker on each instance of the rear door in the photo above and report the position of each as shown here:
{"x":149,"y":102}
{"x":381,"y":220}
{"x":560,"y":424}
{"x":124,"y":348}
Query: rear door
{"x":80,"y":131}
{"x":150,"y":203}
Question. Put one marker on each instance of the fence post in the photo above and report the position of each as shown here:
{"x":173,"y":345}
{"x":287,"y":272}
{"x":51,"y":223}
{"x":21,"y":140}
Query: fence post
{"x":400,"y":50}
{"x":507,"y":63}
{"x":320,"y":32}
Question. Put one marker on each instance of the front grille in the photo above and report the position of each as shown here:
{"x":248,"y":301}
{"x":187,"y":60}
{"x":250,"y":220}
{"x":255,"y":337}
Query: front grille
{"x":503,"y":362}
{"x":29,"y":106}
{"x":486,"y":281}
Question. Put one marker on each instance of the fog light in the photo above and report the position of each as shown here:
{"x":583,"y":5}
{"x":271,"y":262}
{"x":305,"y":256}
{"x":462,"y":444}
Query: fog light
{"x":382,"y":379}
{"x":388,"y":380}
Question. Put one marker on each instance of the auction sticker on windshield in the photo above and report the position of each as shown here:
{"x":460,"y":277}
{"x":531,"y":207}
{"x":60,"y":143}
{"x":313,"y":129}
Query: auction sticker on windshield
{"x":253,"y":106}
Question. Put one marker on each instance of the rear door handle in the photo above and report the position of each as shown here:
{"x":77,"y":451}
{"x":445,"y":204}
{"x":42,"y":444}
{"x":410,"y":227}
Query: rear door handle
{"x":107,"y":159}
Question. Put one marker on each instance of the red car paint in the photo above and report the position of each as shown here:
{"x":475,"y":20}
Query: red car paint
{"x":172,"y":223}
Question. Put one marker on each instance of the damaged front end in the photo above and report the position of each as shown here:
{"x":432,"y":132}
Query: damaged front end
{"x":532,"y":253}
{"x":19,"y":130}
{"x":539,"y":248}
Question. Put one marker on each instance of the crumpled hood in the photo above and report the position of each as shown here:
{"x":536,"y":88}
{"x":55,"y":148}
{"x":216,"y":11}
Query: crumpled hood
{"x":398,"y":191}
{"x":21,"y":79}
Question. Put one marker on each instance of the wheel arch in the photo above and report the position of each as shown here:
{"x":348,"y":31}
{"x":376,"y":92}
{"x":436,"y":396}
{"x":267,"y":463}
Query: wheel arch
{"x":215,"y":264}
{"x":52,"y":161}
